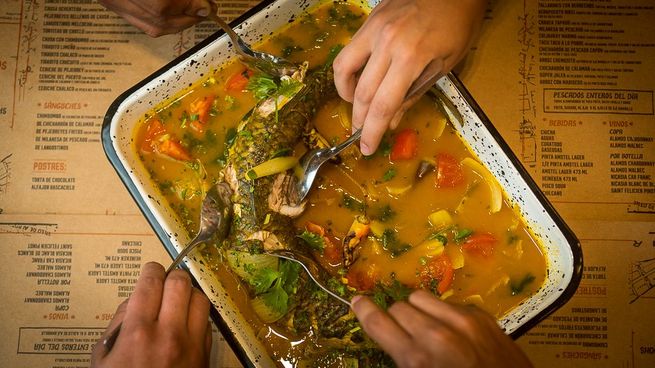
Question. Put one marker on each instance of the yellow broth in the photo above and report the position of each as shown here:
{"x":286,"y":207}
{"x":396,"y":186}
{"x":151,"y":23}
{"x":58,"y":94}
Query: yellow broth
{"x":184,"y":152}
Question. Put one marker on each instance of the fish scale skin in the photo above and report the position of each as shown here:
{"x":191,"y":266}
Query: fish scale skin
{"x":265,"y":138}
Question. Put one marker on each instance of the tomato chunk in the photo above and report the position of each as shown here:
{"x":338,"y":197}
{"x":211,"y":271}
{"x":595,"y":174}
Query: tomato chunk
{"x":405,"y":145}
{"x":154,"y":130}
{"x":481,"y":244}
{"x":157,"y":140}
{"x":449,"y":171}
{"x":331,"y":252}
{"x":362,"y":279}
{"x":239,"y":81}
{"x":199,"y":112}
{"x":173,"y":149}
{"x":438,"y":274}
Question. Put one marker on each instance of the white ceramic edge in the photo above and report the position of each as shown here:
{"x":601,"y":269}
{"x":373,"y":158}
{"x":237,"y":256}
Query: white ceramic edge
{"x":481,"y":141}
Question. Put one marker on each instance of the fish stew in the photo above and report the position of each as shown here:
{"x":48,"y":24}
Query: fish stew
{"x":421,"y":212}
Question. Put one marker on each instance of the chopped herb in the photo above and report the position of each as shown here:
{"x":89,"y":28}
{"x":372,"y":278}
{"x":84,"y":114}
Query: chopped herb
{"x":517,"y":288}
{"x":183,"y":119}
{"x":245,"y":133}
{"x":290,"y":272}
{"x":380,"y":298}
{"x":385,"y":146}
{"x":230,"y":136}
{"x":391,"y":243}
{"x":398,"y":291}
{"x":221,"y":159}
{"x":262,"y":86}
{"x":165,"y":185}
{"x":332,"y":54}
{"x":388,"y":238}
{"x":512,"y":238}
{"x":352,"y":204}
{"x":194,"y":117}
{"x":282,"y":152}
{"x":440,"y":237}
{"x":276,"y":286}
{"x":290,"y":49}
{"x":263,"y":279}
{"x":194,"y":165}
{"x":462,"y":234}
{"x":230,"y":102}
{"x":315,"y":241}
{"x":321,"y":36}
{"x":277,"y":299}
{"x":389,"y":174}
{"x":386,"y":213}
{"x":336,"y":286}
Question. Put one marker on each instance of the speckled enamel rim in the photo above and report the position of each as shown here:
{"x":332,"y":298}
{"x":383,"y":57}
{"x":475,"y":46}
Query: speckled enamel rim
{"x":561,"y":246}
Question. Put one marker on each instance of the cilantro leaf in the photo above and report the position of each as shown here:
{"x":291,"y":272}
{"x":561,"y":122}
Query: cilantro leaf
{"x":264,"y":279}
{"x":517,"y":288}
{"x":277,"y":299}
{"x":389,"y":174}
{"x":315,"y":241}
{"x":262,"y":86}
{"x":289,"y":273}
{"x":398,"y":291}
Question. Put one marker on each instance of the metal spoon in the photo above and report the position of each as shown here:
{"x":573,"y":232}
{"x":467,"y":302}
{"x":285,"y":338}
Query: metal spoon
{"x":312,"y":160}
{"x":215,"y":215}
{"x":313,"y":270}
{"x":264,"y":62}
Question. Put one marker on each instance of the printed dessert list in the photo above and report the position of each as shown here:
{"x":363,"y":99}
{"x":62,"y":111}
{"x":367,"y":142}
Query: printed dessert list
{"x":569,"y":84}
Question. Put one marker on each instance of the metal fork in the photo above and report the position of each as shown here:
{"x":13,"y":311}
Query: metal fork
{"x":317,"y":274}
{"x":266,"y":63}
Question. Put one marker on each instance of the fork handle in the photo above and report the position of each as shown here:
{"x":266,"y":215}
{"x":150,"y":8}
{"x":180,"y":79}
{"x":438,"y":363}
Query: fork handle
{"x":236,"y":40}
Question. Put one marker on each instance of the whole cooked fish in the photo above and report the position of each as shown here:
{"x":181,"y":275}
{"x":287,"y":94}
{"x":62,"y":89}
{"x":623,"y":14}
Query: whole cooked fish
{"x":263,"y":212}
{"x":264,"y":207}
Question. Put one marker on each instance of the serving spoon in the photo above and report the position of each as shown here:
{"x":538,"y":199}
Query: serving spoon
{"x":215,"y":216}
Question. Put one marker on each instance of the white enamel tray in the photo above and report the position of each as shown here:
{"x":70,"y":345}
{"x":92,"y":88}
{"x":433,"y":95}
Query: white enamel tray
{"x":560,"y":245}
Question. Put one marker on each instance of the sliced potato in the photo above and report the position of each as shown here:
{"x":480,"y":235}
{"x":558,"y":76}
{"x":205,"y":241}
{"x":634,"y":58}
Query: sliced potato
{"x":440,"y":219}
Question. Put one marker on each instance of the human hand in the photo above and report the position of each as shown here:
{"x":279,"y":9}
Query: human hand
{"x":400,"y":41}
{"x":164,"y":324}
{"x":427,"y":332}
{"x":160,"y":17}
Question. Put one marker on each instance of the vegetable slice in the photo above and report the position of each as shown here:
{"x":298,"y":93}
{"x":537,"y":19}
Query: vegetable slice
{"x":480,"y":243}
{"x":238,"y":81}
{"x":449,"y":171}
{"x":494,"y":187}
{"x":263,"y":311}
{"x":245,"y":265}
{"x":272,"y":166}
{"x":440,"y":270}
{"x":405,"y":145}
{"x":440,"y":219}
